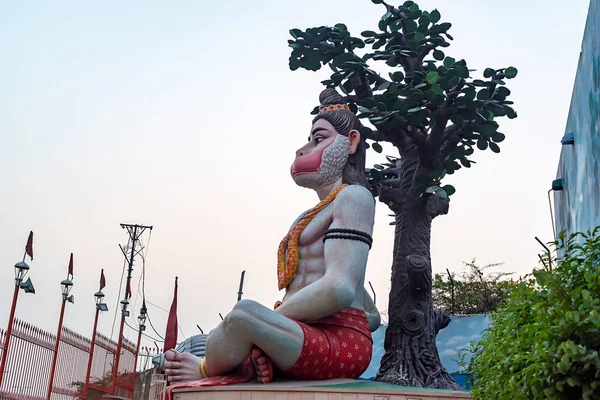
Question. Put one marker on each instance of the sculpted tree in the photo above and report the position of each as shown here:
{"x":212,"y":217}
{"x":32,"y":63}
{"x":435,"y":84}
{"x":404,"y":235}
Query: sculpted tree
{"x":435,"y":114}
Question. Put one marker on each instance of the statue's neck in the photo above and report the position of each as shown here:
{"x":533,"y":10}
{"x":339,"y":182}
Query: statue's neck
{"x":323,"y":191}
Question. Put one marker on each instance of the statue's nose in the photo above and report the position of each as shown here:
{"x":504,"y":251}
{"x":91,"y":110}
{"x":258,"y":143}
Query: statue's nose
{"x":299,"y":153}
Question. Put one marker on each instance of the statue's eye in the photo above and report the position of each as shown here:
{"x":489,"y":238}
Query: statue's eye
{"x":318,"y":139}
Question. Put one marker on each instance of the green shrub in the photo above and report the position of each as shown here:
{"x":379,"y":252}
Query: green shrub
{"x":544,"y":340}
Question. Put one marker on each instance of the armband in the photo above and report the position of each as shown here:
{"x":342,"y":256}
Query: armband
{"x":348,"y":234}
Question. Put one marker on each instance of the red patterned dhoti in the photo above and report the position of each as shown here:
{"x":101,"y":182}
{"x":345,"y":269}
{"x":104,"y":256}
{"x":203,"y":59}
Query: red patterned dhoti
{"x":337,"y":346}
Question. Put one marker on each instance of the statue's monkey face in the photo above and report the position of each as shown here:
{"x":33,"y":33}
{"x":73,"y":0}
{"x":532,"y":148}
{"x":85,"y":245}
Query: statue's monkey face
{"x":321,"y":161}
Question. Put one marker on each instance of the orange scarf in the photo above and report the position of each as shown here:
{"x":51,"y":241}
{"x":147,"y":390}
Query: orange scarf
{"x":286,"y":269}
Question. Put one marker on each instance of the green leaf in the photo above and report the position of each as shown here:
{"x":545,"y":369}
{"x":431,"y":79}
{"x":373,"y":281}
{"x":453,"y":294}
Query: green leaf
{"x":431,"y":189}
{"x":424,"y":20}
{"x":503,"y":91}
{"x":542,"y":277}
{"x":498,"y":137}
{"x":383,"y":25}
{"x":296,"y":33}
{"x":438,"y":55}
{"x":449,"y":189}
{"x":397,"y":76}
{"x":595,"y":318}
{"x":435,"y":16}
{"x":463,"y":72}
{"x":510,"y":72}
{"x":445,"y":26}
{"x":437,"y":89}
{"x":368,"y":33}
{"x":441,"y":193}
{"x":379,"y":43}
{"x":414,"y":110}
{"x":494,"y":147}
{"x":449,"y":62}
{"x":419,"y":36}
{"x":488,"y":72}
{"x":432,"y":77}
{"x":315,"y":110}
{"x":377,"y":1}
{"x":377,"y":147}
{"x":411,"y":26}
{"x":378,"y":166}
{"x":383,"y":86}
{"x":341,"y":27}
{"x":482,"y":144}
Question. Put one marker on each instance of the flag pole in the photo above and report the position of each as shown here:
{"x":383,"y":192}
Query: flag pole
{"x":11,"y":318}
{"x":98,"y":296}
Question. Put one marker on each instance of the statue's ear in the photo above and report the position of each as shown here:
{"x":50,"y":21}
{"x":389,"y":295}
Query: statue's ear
{"x":354,"y":137}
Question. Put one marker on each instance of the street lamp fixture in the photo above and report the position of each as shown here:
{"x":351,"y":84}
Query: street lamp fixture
{"x":67,"y":285}
{"x":99,"y":296}
{"x":142,"y":321}
{"x":125,"y":303}
{"x":21,"y":269}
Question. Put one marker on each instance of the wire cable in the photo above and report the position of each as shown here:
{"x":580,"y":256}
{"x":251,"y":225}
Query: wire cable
{"x":112,"y":329}
{"x":143,"y":277}
{"x":144,"y":334}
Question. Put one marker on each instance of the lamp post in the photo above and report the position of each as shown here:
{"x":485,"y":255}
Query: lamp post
{"x":124,"y":314}
{"x":67,"y":285}
{"x":142,"y":325}
{"x":100,"y":306}
{"x":21,"y":269}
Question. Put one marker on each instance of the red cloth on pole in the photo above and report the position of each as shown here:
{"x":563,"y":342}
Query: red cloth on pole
{"x":71,"y":265}
{"x":29,"y":246}
{"x":171,"y":333}
{"x":102,"y":280}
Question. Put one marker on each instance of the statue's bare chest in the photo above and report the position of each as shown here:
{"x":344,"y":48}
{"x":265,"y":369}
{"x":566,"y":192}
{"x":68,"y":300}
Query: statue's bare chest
{"x":316,"y":228}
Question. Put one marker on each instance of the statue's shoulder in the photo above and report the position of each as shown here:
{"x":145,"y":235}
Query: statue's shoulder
{"x":355,"y":199}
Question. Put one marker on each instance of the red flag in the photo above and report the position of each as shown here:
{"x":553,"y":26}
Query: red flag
{"x":29,"y":246}
{"x":71,"y":266}
{"x":171,"y":333}
{"x":102,"y":280}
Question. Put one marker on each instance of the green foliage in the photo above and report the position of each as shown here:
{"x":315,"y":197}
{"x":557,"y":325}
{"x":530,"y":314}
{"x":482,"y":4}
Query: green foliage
{"x":471,"y":291}
{"x":432,"y":99}
{"x":544,"y":341}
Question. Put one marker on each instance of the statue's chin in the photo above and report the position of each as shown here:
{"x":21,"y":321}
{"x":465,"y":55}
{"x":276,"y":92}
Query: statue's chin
{"x":308,"y":180}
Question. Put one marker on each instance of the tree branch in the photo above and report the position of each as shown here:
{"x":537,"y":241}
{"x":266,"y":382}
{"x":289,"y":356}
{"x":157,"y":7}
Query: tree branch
{"x":451,"y":131}
{"x":416,"y":136}
{"x":452,"y":137}
{"x":394,"y":198}
{"x":441,"y":120}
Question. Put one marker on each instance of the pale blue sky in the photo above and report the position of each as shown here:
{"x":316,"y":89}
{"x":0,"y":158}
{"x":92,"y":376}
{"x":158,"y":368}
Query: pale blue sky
{"x":184,"y":115}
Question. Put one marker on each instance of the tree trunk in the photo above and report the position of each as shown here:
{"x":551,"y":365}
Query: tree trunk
{"x":411,"y":357}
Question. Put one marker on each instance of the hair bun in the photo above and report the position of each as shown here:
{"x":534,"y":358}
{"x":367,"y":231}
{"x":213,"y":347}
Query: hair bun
{"x":331,"y":96}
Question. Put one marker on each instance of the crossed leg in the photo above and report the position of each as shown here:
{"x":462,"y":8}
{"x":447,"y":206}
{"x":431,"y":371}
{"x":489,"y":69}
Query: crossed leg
{"x":248,"y":326}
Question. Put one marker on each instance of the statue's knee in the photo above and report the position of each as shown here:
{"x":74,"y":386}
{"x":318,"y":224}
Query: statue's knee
{"x":237,"y":319}
{"x":248,"y":306}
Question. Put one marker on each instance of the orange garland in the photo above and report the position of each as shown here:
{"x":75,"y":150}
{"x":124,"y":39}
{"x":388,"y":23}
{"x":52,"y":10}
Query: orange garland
{"x":286,"y":269}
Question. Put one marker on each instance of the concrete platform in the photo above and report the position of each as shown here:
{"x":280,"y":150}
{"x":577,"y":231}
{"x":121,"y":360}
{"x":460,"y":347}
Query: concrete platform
{"x":340,"y":389}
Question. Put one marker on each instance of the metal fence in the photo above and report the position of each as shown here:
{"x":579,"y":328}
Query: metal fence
{"x":29,"y":360}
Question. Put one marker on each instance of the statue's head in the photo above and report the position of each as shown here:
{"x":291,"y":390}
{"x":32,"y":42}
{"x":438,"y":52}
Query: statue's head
{"x":335,"y":150}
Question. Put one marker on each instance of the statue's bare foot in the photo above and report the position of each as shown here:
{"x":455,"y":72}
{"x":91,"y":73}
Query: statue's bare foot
{"x":262,"y":365}
{"x":182,"y":367}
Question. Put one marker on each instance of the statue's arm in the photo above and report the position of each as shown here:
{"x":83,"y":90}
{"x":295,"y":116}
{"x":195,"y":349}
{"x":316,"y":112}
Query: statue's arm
{"x":345,"y":261}
{"x":371,"y":310}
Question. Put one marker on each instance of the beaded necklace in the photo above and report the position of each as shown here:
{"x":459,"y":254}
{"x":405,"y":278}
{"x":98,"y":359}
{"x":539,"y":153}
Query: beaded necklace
{"x":286,"y":269}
